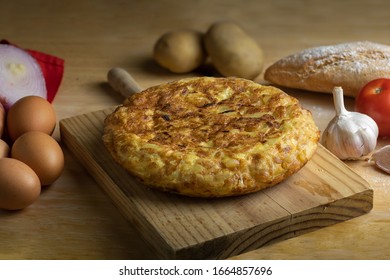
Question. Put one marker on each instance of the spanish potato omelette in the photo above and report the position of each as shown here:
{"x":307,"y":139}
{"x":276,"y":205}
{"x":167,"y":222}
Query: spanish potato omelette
{"x":211,"y":137}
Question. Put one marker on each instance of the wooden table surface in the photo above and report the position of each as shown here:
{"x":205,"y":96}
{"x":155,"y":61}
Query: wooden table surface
{"x":73,"y":218}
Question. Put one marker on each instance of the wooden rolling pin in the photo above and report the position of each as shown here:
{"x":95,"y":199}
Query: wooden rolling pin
{"x":122,"y":82}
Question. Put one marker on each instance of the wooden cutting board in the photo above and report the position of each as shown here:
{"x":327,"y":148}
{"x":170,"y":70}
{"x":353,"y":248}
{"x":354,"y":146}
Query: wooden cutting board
{"x":324,"y":192}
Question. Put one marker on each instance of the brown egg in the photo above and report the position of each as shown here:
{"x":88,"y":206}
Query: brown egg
{"x":30,"y":113}
{"x":4,"y":149}
{"x":42,"y":153}
{"x":19,"y":185}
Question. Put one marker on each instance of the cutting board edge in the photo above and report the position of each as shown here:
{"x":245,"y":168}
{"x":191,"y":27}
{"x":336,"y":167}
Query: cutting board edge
{"x":292,"y":224}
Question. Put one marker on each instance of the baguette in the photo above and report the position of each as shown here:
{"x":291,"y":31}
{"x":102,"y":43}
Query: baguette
{"x":350,"y":65}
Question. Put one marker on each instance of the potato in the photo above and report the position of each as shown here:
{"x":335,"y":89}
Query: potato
{"x":180,"y":51}
{"x":232,"y":51}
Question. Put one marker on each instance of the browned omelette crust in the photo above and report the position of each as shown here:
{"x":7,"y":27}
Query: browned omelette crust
{"x":211,"y":137}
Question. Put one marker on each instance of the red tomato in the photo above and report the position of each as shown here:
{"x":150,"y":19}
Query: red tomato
{"x":374,"y":100}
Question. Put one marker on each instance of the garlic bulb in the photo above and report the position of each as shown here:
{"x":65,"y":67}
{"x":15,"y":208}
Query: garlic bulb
{"x":349,"y":135}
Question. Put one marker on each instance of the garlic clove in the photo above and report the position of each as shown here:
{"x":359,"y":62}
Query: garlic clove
{"x":381,"y":158}
{"x":349,"y":135}
{"x":344,"y":143}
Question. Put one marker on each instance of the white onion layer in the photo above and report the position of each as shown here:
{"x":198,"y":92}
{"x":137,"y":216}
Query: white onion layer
{"x":20,"y":75}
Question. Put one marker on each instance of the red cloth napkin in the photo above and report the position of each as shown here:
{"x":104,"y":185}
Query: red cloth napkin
{"x":52,"y":69}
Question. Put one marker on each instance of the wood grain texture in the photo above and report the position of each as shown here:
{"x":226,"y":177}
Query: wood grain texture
{"x":324,"y":192}
{"x":74,"y":218}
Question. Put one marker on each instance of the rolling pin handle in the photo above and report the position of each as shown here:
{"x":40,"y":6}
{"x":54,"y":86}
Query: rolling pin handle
{"x":122,"y":82}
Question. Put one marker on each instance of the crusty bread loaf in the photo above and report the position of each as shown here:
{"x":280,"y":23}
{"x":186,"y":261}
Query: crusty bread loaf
{"x":349,"y":65}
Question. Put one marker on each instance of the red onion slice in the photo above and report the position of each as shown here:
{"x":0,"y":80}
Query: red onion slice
{"x":20,"y":75}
